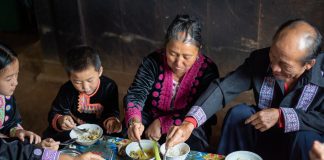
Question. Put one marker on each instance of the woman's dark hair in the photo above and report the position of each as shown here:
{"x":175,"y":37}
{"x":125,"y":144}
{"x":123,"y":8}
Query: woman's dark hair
{"x":80,"y":58}
{"x":7,"y":56}
{"x":187,"y":25}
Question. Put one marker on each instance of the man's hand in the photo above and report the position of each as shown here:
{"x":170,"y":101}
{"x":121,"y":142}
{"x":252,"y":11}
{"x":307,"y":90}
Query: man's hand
{"x":317,"y":151}
{"x":264,"y":120}
{"x":135,"y":131}
{"x":66,"y":123}
{"x":33,"y":137}
{"x":179,"y":134}
{"x":50,"y":144}
{"x":112,"y":125}
{"x":153,"y":132}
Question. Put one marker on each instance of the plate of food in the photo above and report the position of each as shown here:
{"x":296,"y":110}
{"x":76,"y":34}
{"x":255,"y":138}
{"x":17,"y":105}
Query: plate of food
{"x":88,"y":137}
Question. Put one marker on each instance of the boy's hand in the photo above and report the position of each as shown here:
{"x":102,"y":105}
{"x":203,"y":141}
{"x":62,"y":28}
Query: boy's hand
{"x":21,"y":134}
{"x":153,"y":132}
{"x":112,"y":125}
{"x":66,"y":123}
{"x":49,"y":143}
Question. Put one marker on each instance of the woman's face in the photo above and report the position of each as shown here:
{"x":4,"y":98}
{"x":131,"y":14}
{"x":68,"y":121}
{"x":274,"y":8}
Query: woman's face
{"x":9,"y":78}
{"x":181,"y":56}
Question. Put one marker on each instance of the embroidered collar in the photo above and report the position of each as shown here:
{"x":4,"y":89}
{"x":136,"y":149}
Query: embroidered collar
{"x":184,"y":88}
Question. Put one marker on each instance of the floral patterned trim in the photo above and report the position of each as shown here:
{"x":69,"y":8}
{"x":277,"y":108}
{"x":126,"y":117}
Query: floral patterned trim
{"x":187,"y":82}
{"x":50,"y":154}
{"x":291,"y":119}
{"x":84,"y":105}
{"x":307,"y":96}
{"x":2,"y":110}
{"x":266,"y":92}
{"x":198,"y":113}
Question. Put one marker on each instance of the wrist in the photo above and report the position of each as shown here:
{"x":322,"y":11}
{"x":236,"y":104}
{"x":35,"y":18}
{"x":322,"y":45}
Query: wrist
{"x":188,"y":125}
{"x":134,"y":120}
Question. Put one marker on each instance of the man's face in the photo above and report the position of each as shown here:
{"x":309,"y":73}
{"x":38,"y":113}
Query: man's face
{"x":286,"y":58}
{"x":9,"y":78}
{"x":86,"y":81}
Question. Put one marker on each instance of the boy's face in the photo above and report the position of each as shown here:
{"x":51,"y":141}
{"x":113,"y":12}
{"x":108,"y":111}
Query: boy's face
{"x":86,"y":81}
{"x":9,"y":78}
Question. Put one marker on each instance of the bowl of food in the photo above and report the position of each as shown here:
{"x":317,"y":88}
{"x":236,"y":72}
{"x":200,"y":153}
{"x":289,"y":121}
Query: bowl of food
{"x":88,"y":137}
{"x":133,"y":150}
{"x":243,"y":155}
{"x":177,"y":152}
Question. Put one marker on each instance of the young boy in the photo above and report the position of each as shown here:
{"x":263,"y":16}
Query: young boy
{"x":88,"y":97}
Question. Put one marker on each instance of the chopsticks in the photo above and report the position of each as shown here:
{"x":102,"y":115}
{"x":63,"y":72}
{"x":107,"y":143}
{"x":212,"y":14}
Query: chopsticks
{"x":68,"y":142}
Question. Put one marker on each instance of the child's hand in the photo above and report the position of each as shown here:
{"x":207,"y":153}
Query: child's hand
{"x":112,"y":125}
{"x":50,"y":144}
{"x":33,"y":137}
{"x":66,"y":123}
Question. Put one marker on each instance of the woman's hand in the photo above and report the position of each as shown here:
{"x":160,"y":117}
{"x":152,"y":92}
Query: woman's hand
{"x":112,"y":125}
{"x":153,"y":132}
{"x":50,"y":144}
{"x":84,"y":156}
{"x":66,"y":123}
{"x":135,"y":131}
{"x":33,"y":137}
{"x":317,"y":151}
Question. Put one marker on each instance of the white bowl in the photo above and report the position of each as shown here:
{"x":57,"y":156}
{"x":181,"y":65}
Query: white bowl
{"x":146,"y":144}
{"x":242,"y":155}
{"x":82,"y":137}
{"x":177,"y":152}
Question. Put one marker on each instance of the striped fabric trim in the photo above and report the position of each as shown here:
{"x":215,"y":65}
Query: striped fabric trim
{"x":198,"y":113}
{"x":266,"y":92}
{"x":291,"y":119}
{"x":307,"y":96}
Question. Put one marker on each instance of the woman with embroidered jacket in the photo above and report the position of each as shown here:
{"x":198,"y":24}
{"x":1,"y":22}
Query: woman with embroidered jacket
{"x":167,"y":83}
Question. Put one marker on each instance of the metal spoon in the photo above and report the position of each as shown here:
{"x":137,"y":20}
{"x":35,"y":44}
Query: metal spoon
{"x":68,"y":142}
{"x":139,"y":143}
{"x":80,"y":129}
{"x":166,"y":151}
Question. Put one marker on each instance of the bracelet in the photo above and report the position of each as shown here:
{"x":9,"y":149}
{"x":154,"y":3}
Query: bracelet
{"x":132,"y":121}
{"x":13,"y":131}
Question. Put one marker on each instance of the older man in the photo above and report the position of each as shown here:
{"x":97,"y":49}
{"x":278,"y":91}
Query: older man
{"x":288,"y":86}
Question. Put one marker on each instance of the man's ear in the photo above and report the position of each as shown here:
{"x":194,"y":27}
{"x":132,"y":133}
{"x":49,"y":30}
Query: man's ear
{"x":100,"y":71}
{"x":310,"y":64}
